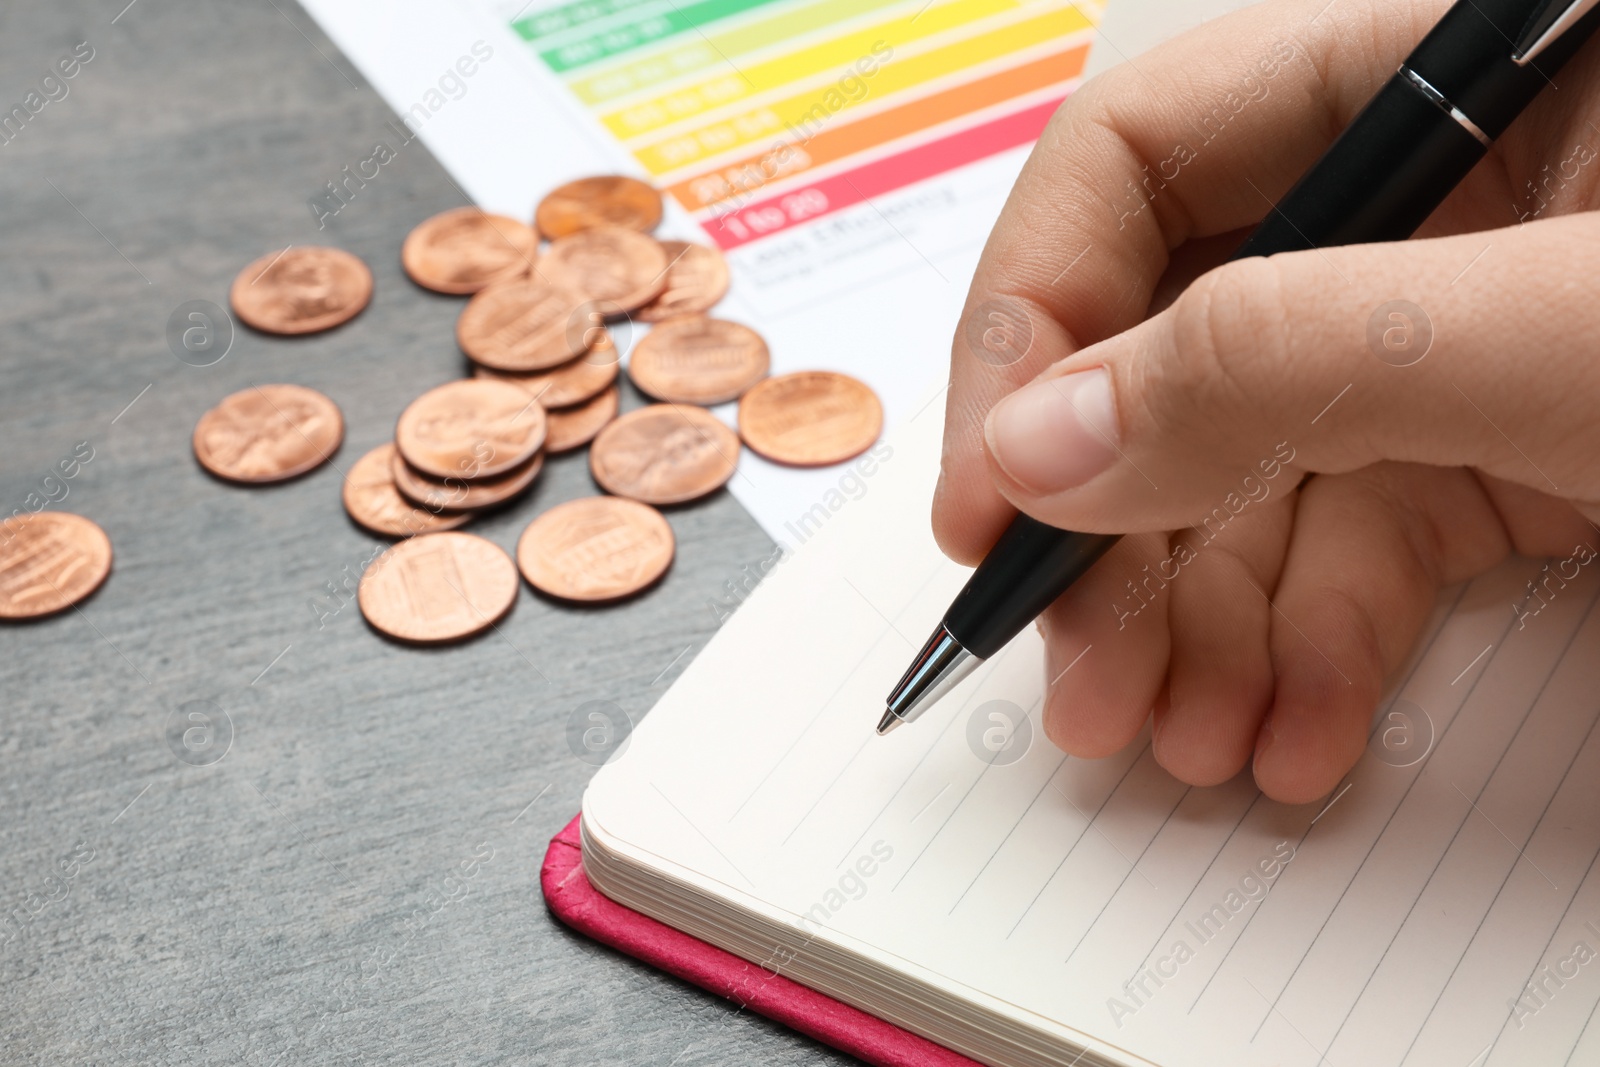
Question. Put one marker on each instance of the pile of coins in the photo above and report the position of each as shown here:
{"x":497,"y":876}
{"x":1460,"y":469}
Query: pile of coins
{"x":544,"y":381}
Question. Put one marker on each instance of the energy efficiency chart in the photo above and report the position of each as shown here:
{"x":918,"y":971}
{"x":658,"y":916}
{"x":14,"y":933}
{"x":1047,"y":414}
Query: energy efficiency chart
{"x":758,"y":116}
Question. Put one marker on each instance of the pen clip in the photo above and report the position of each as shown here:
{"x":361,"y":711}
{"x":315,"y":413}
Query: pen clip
{"x":1546,"y":27}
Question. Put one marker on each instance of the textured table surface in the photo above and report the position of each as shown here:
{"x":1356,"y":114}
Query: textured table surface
{"x":355,"y":879}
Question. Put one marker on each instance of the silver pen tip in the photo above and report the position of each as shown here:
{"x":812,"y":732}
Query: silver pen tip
{"x":938,"y":668}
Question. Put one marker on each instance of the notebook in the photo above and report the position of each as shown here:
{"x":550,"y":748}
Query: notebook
{"x":965,"y":880}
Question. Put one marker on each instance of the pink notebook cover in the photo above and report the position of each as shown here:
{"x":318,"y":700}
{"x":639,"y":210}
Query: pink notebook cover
{"x":578,"y":904}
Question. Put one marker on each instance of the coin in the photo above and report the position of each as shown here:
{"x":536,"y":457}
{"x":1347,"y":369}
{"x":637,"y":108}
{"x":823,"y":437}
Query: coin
{"x":438,"y":587}
{"x":458,"y":494}
{"x":268,"y":433}
{"x":473,"y":428}
{"x":371,"y":499}
{"x":571,"y":383}
{"x":602,"y":201}
{"x":465,"y":249}
{"x":574,"y":426}
{"x":697,"y":277}
{"x":303,"y":289}
{"x":595,"y":549}
{"x":524,"y":325}
{"x":810,"y":418}
{"x":698,"y":360}
{"x":664,"y":454}
{"x":49,"y":560}
{"x":617,"y":269}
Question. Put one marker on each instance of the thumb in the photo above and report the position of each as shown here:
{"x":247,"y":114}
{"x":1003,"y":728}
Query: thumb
{"x":1474,"y":350}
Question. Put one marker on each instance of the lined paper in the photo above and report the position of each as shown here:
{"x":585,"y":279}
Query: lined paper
{"x":1446,"y":911}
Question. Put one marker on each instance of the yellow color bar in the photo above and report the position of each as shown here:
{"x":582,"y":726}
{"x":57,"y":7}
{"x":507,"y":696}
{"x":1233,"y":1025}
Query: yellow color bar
{"x":798,"y":117}
{"x":822,"y":58}
{"x":706,"y":53}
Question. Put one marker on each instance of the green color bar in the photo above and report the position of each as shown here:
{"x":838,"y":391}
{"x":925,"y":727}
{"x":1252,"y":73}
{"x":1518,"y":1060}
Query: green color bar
{"x":556,"y":20}
{"x":625,"y":38}
{"x":699,"y":53}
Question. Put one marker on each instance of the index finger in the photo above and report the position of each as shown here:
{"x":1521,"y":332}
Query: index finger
{"x":1196,"y":138}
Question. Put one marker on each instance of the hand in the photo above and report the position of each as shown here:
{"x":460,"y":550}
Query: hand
{"x":1265,"y":615}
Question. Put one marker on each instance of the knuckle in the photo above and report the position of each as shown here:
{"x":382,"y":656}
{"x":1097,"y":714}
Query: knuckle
{"x":1229,"y":344}
{"x":1360,"y":664}
{"x":1231,"y":324}
{"x":1102,"y":96}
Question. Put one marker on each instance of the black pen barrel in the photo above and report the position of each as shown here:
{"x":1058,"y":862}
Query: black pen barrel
{"x":1379,"y":181}
{"x":1415,"y":141}
{"x":1023,"y":573}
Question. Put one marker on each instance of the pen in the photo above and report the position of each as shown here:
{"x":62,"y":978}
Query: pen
{"x":1458,"y":90}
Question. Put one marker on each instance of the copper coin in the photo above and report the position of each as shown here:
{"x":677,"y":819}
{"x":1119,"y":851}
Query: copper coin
{"x":696,"y":360}
{"x":268,"y":433}
{"x":811,"y":418}
{"x":664,"y":454}
{"x":595,"y":549}
{"x":571,"y":383}
{"x":526,"y":324}
{"x":371,"y":499}
{"x":617,"y":269}
{"x":458,"y":494}
{"x":302,"y":289}
{"x":575,"y":426}
{"x":49,"y":560}
{"x":603,"y":201}
{"x":474,"y":428}
{"x":438,"y":587}
{"x":697,"y":277}
{"x":466,"y":249}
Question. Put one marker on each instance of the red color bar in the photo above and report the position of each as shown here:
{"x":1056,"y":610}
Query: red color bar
{"x":803,"y":204}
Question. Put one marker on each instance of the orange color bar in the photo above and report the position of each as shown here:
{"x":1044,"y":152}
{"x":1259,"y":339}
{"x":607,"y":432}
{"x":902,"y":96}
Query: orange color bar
{"x":785,"y":158}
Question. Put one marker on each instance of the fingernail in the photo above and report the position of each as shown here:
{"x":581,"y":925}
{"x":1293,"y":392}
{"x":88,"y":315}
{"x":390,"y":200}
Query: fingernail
{"x":1057,"y":433}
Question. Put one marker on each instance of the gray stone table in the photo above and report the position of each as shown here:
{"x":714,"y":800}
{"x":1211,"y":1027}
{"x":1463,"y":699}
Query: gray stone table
{"x":355,"y":880}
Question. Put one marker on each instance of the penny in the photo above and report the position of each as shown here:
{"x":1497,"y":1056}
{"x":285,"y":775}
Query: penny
{"x":617,"y":269}
{"x":466,"y":249}
{"x":268,"y":433}
{"x":438,"y":587}
{"x":810,"y":418}
{"x":586,"y":329}
{"x":698,"y":360}
{"x":525,"y":324}
{"x":602,"y":201}
{"x":49,"y":560}
{"x":664,"y":454}
{"x":373,"y":501}
{"x":474,"y":428}
{"x":571,"y":383}
{"x":303,"y":289}
{"x":596,"y":548}
{"x":697,"y":277}
{"x":458,"y":494}
{"x":574,"y":426}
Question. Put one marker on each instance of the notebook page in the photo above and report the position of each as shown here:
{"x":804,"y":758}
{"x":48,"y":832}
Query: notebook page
{"x":1442,"y":906}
